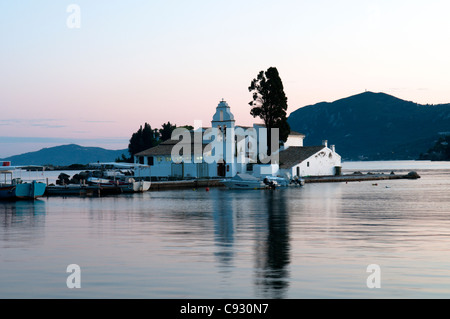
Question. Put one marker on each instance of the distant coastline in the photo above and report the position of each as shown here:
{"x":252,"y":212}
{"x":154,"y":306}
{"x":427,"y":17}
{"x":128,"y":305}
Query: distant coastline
{"x":66,"y":156}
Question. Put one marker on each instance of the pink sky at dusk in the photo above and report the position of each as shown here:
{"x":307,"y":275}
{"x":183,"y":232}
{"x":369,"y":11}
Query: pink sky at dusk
{"x":132,"y":62}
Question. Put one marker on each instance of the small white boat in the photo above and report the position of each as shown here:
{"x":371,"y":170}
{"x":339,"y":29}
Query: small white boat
{"x":128,"y":185}
{"x":136,"y":186}
{"x":244,"y":181}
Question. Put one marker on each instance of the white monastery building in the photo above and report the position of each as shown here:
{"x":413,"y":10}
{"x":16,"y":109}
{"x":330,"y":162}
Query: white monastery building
{"x":190,"y":157}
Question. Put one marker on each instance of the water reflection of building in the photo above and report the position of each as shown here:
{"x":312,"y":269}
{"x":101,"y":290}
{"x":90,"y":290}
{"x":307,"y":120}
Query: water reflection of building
{"x":224,"y":227}
{"x":263,"y":218}
{"x":272,"y":250}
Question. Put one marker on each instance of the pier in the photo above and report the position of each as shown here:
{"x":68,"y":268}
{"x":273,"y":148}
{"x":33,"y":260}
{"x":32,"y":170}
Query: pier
{"x":355,"y":177}
{"x":206,"y":183}
{"x":359,"y":177}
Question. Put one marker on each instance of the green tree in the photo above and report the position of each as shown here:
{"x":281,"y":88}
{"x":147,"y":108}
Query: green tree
{"x":270,"y":103}
{"x":166,"y":131}
{"x":143,"y":139}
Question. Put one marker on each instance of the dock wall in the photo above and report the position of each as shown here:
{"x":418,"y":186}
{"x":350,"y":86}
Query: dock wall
{"x":359,"y":177}
{"x":207,"y":183}
{"x":165,"y":185}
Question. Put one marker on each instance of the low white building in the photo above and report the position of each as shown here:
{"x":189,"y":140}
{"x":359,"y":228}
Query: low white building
{"x":163,"y":165}
{"x":294,"y":159}
{"x":310,"y":161}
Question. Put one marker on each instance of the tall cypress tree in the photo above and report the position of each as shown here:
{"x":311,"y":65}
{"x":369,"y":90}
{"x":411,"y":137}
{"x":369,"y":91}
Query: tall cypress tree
{"x":270,"y":103}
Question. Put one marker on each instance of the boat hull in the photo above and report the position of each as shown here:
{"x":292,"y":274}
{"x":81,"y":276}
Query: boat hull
{"x":136,"y":187}
{"x":31,"y":190}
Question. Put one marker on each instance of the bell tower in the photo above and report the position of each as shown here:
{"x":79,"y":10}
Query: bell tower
{"x":223,"y":118}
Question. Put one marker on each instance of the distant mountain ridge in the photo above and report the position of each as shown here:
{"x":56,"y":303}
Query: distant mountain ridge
{"x":66,"y":155}
{"x":373,"y":126}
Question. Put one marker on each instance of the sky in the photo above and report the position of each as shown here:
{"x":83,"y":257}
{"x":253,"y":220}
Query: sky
{"x":91,"y":72}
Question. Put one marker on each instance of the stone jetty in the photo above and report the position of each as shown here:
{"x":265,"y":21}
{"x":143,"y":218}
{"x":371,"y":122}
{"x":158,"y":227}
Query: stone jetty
{"x":360,"y":177}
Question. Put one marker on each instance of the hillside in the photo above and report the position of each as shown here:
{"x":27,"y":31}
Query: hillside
{"x":440,"y":151}
{"x":66,"y":155}
{"x":373,"y":126}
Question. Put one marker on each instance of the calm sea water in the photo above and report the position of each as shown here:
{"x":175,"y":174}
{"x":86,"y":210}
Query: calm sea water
{"x":310,"y":242}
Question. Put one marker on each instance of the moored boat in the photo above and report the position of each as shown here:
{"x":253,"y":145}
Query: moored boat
{"x":126,"y":176}
{"x":244,"y":181}
{"x":15,"y":188}
{"x":127,"y":185}
{"x":247,"y":181}
{"x":136,"y":186}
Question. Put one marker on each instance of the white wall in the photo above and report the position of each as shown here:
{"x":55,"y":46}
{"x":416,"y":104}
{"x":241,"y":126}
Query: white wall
{"x":261,"y":170}
{"x":161,"y":168}
{"x":320,"y":164}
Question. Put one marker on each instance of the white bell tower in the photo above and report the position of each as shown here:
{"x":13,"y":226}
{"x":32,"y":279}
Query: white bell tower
{"x":222,"y":120}
{"x":223,"y":117}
